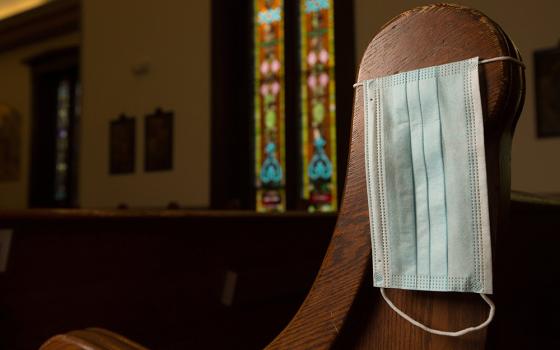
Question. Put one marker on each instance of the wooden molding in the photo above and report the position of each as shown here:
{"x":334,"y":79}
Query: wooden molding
{"x":10,"y":215}
{"x":54,"y":18}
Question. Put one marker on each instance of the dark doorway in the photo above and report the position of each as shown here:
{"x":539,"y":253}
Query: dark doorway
{"x":55,"y":121}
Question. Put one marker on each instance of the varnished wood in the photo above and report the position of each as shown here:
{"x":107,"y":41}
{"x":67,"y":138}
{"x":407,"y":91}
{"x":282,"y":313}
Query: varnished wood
{"x":67,"y":342}
{"x":530,"y":213}
{"x":9,"y":215}
{"x":90,"y":339}
{"x":422,"y":37}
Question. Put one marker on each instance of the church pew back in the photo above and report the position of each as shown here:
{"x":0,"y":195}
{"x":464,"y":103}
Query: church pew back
{"x":157,"y":277}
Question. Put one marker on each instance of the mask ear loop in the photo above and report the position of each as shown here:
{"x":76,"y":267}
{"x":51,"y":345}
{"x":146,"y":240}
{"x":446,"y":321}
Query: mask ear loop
{"x":488,"y":60}
{"x":438,"y":332}
{"x":503,"y":58}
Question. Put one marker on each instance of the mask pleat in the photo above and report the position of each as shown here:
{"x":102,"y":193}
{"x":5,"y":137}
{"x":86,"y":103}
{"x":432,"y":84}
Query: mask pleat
{"x":427,"y":90}
{"x":420,"y":179}
{"x":457,"y":175}
{"x":399,"y":186}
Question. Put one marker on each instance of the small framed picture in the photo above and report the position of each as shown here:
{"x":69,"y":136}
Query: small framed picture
{"x":547,"y":85}
{"x":122,"y":140}
{"x":158,"y":144}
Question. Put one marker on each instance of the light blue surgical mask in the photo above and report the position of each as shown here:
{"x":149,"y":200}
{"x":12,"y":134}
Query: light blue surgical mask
{"x":426,"y":182}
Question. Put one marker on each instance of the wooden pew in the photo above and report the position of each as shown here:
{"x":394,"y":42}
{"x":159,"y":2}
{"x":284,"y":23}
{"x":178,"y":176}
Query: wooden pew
{"x":162,"y":278}
{"x":536,"y":216}
{"x":422,"y":37}
{"x":342,"y":310}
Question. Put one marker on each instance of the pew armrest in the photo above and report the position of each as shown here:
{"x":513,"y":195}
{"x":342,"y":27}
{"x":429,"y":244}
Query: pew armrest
{"x":90,"y":339}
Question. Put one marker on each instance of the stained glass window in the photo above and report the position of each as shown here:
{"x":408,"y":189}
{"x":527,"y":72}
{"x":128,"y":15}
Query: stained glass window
{"x":318,"y":104}
{"x":61,"y":139}
{"x":269,"y":105}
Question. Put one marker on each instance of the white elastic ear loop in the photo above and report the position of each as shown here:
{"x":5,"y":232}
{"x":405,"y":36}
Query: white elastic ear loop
{"x":438,"y":332}
{"x":488,"y":60}
{"x":503,"y":58}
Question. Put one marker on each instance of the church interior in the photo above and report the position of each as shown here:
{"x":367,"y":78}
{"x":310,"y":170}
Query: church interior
{"x":172,"y":172}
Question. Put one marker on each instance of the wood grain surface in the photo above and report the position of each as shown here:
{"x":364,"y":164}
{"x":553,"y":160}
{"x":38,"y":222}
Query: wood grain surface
{"x":90,"y":339}
{"x":343,"y":290}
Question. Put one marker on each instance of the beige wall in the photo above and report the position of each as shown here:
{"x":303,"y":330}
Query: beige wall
{"x":173,"y":37}
{"x":15,"y":91}
{"x":531,"y":25}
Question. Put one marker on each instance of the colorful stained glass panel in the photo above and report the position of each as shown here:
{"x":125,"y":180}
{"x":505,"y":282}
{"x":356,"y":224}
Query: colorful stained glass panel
{"x":317,"y":93}
{"x":269,"y":105}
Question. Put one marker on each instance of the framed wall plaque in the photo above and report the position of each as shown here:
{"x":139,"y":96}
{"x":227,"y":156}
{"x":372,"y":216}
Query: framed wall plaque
{"x":547,"y":85}
{"x":122,"y":140}
{"x":158,"y":144}
{"x":10,"y":144}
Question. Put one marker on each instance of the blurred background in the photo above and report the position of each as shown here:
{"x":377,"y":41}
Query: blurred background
{"x":233,"y":115}
{"x":70,"y":70}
